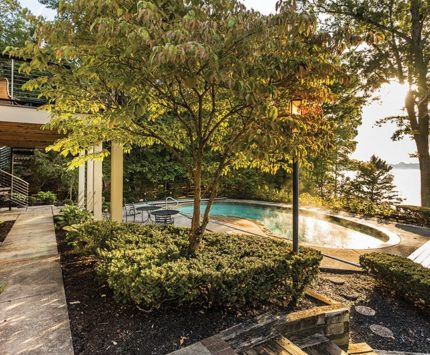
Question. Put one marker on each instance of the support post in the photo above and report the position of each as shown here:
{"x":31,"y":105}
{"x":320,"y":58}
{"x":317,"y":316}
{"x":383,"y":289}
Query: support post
{"x":90,"y":183}
{"x":295,"y":207}
{"x":81,"y":184}
{"x":98,"y":185}
{"x":117,"y":175}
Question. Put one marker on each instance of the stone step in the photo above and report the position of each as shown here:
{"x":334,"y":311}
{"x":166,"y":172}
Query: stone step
{"x":360,"y":349}
{"x":318,"y":344}
{"x":276,"y":346}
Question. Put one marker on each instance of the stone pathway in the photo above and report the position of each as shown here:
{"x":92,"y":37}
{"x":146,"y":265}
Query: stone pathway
{"x":33,"y":308}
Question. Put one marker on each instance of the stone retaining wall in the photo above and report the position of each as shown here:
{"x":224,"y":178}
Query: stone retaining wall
{"x":332,"y":320}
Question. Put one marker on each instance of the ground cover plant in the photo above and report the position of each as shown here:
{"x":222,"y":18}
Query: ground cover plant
{"x":408,"y":279}
{"x":149,"y":266}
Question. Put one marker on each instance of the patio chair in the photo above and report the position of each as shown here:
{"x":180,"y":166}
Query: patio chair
{"x":130,"y":210}
{"x":164,"y":220}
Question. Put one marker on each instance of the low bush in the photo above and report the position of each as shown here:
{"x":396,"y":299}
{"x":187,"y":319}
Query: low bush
{"x":148,"y":265}
{"x":47,"y":197}
{"x":72,"y":215}
{"x":408,"y":279}
{"x":413,"y":215}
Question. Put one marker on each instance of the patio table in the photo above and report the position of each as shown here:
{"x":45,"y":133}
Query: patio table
{"x":147,"y":209}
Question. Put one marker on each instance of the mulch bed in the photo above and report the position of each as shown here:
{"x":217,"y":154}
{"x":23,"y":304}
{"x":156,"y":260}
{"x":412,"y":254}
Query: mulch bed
{"x":5,"y":228}
{"x":99,"y":325}
{"x":410,"y":325}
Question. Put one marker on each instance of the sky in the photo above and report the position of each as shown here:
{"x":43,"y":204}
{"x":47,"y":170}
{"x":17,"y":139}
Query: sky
{"x":371,"y":139}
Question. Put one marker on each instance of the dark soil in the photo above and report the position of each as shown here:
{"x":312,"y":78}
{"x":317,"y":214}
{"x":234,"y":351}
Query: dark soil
{"x":410,"y":325}
{"x":101,"y":326}
{"x":5,"y":228}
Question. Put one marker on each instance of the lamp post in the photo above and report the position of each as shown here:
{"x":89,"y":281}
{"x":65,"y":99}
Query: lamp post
{"x":295,"y":107}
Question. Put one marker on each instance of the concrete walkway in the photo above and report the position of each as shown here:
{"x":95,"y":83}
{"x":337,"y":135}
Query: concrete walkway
{"x":33,"y":308}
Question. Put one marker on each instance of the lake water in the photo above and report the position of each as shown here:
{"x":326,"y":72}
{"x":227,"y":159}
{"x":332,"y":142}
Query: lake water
{"x":408,"y":185}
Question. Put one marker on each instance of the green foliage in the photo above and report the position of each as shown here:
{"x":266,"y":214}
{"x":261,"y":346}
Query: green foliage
{"x":372,"y":191}
{"x":409,"y":279}
{"x":149,"y":265}
{"x":72,"y":215}
{"x":414,"y":215}
{"x":48,"y":171}
{"x":15,"y":28}
{"x":46,"y":197}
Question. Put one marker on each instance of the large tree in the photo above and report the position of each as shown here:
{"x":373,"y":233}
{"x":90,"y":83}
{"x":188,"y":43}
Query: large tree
{"x":396,"y":46}
{"x":210,"y":80}
{"x":15,"y":27}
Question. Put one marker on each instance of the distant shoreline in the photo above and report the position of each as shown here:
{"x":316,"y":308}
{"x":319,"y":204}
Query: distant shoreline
{"x":406,"y":166}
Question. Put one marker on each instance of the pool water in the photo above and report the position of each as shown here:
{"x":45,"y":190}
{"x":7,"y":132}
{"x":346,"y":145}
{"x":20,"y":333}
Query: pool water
{"x":279,"y":222}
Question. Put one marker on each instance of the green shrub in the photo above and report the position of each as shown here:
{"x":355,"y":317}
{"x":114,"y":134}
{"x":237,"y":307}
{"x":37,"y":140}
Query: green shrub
{"x":407,"y":278}
{"x":46,"y":197}
{"x":148,"y":265}
{"x":414,"y":214}
{"x":72,"y":215}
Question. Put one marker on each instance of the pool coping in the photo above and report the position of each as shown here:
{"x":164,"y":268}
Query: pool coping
{"x":392,"y":238}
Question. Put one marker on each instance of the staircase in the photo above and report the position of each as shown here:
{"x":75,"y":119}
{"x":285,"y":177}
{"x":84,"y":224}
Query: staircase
{"x":13,"y":190}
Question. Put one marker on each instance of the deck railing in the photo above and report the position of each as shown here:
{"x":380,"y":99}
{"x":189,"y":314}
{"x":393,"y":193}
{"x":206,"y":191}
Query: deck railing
{"x":10,"y":70}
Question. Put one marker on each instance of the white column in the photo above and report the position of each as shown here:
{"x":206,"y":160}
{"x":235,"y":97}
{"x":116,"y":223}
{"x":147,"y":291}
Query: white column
{"x":90,"y":183}
{"x":98,"y":185}
{"x":117,"y":175}
{"x":81,"y":185}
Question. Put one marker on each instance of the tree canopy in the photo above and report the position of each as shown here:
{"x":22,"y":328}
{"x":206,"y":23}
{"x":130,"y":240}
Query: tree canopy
{"x":203,"y":78}
{"x":15,"y":29}
{"x":390,"y":40}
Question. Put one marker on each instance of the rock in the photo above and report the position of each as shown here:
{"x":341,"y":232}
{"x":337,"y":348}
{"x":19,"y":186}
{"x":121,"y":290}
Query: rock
{"x":381,"y":331}
{"x":365,"y":311}
{"x":336,"y":280}
{"x":350,"y":296}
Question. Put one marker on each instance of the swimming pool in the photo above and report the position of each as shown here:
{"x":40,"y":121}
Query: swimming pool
{"x":312,"y":230}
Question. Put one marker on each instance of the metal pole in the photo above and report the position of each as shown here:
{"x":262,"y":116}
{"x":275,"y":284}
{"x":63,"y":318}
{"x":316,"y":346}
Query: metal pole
{"x":12,"y":77}
{"x":295,"y":207}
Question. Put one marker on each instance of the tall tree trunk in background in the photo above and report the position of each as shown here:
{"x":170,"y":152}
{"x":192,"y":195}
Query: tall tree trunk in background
{"x":420,"y":123}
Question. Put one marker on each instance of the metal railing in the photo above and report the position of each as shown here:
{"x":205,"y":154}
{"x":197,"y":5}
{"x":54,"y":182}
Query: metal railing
{"x":5,"y":158}
{"x":10,"y":70}
{"x":14,"y":189}
{"x":171,"y":199}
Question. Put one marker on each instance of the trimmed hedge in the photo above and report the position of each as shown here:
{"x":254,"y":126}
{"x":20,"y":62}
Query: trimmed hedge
{"x":148,"y":265}
{"x":413,"y":214}
{"x":408,"y":279}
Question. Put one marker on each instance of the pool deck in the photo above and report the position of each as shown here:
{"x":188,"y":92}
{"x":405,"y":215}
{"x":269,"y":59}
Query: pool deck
{"x":407,"y":238}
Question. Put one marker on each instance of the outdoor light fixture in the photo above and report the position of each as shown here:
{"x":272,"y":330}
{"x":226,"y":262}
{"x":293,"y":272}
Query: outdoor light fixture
{"x":296,"y":106}
{"x":296,"y":109}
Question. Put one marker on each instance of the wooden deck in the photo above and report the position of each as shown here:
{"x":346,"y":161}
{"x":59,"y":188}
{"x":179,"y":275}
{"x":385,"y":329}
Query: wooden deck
{"x":422,"y":255}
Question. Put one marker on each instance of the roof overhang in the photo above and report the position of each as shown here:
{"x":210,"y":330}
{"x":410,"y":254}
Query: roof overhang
{"x":21,"y":127}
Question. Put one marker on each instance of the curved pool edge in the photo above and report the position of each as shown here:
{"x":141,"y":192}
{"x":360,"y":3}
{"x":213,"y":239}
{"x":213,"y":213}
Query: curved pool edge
{"x":392,"y":238}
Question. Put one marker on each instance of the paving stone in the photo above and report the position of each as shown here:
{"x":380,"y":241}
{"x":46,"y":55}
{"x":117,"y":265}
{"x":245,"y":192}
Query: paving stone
{"x":33,"y":310}
{"x":336,"y":280}
{"x":381,"y":331}
{"x":365,"y":311}
{"x":352,"y":296}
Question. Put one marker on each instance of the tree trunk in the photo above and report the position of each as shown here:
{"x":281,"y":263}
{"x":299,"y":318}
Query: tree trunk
{"x":424,"y":159}
{"x":196,"y":232}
